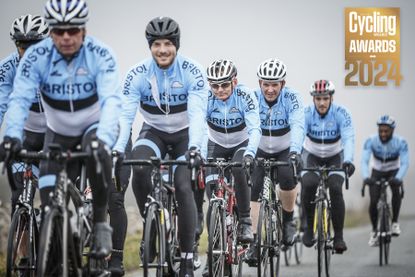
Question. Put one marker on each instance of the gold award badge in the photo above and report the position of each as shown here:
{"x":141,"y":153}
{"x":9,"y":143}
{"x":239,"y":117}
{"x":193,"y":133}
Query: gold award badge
{"x":372,"y":46}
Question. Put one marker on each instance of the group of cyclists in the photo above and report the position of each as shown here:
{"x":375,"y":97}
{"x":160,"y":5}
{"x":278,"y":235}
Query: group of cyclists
{"x":63,"y":86}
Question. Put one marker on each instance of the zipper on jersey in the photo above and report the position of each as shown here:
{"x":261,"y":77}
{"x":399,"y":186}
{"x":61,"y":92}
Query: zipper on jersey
{"x":70,"y":85}
{"x":166,"y":94}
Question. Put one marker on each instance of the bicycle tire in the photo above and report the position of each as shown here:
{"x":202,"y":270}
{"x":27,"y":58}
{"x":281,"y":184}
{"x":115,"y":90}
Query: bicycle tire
{"x":238,"y":251}
{"x":216,"y":243}
{"x":320,"y":239}
{"x":277,"y":240}
{"x":287,"y":255}
{"x":173,"y":245}
{"x":154,"y":227}
{"x":23,"y":225}
{"x":50,"y":259}
{"x":298,"y":248}
{"x":264,"y":236}
{"x":328,"y":240}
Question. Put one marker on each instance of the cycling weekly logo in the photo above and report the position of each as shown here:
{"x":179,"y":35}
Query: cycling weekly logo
{"x":372,"y":46}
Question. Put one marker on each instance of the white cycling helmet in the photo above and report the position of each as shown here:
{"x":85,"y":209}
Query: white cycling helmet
{"x":66,"y":12}
{"x":221,"y":71}
{"x":322,"y":87}
{"x":387,"y":120}
{"x":272,"y":70}
{"x":29,"y":28}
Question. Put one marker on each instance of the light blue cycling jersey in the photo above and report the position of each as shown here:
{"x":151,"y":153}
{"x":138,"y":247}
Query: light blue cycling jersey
{"x":328,"y":135}
{"x":169,"y":100}
{"x":36,"y":121}
{"x":74,"y":94}
{"x":282,"y":124}
{"x":387,"y":156}
{"x":235,"y":120}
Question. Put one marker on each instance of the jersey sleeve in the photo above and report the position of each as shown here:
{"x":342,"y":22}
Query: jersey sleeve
{"x":404,"y":160}
{"x":347,"y":134}
{"x":296,"y":121}
{"x":253,"y":123}
{"x":366,"y":153}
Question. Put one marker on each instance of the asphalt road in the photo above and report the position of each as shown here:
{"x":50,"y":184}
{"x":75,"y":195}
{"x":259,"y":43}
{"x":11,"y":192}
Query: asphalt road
{"x":359,"y":260}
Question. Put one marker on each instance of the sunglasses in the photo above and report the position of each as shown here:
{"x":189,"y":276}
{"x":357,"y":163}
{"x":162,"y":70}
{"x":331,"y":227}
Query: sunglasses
{"x":70,"y":31}
{"x":223,"y":85}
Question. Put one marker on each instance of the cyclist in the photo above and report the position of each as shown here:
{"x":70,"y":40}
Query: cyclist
{"x":26,"y":30}
{"x":171,"y":91}
{"x":390,"y":161}
{"x":282,"y":123}
{"x":79,"y":85}
{"x":234,"y":133}
{"x":329,"y":141}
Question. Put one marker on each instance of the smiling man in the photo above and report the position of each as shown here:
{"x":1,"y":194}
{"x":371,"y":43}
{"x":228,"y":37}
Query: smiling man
{"x":171,"y":92}
{"x":329,"y":141}
{"x":282,"y":123}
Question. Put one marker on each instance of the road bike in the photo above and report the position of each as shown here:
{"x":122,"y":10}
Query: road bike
{"x":225,"y":254}
{"x":160,"y":253}
{"x":66,"y":235}
{"x":322,"y":225}
{"x":384,"y":221}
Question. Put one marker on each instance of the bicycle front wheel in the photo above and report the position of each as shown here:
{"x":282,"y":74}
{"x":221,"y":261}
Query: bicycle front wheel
{"x":328,"y":241}
{"x":216,"y":244}
{"x":298,"y":247}
{"x":154,"y":242}
{"x":384,"y":236}
{"x":50,"y":259}
{"x":320,"y":238}
{"x":265,"y":247}
{"x":22,"y":244}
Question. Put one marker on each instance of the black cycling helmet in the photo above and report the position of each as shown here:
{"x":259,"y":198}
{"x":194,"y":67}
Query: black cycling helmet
{"x":163,"y":28}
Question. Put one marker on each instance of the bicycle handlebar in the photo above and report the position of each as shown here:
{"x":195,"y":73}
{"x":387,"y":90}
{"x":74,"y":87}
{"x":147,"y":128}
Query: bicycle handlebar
{"x":321,"y":169}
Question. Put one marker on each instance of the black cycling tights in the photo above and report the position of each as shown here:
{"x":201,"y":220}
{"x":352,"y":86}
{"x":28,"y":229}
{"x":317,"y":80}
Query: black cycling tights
{"x":175,"y":145}
{"x":374,"y":191}
{"x":309,"y":187}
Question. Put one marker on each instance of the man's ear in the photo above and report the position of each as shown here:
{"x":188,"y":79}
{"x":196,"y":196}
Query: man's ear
{"x":235,"y":81}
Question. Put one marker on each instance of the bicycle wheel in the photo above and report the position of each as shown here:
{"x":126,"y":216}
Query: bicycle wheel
{"x":154,"y":242}
{"x":50,"y":259}
{"x":237,"y":250}
{"x":265,"y":247}
{"x":384,"y":235}
{"x":298,"y":247}
{"x":22,"y":244}
{"x":287,"y":255}
{"x":216,"y":244}
{"x":173,"y":245}
{"x":328,"y":241}
{"x":320,"y":238}
{"x":276,"y":238}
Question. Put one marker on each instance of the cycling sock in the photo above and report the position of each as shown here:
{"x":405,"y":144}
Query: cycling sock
{"x":287,"y":216}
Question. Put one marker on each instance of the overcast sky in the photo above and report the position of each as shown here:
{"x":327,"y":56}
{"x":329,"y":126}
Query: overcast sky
{"x":307,"y":35}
